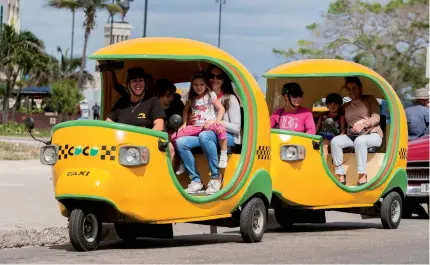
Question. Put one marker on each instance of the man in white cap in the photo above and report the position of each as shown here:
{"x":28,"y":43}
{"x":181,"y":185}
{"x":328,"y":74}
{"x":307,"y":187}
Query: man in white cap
{"x":418,"y":115}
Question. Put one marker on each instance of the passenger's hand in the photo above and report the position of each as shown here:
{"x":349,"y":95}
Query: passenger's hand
{"x":182,"y":127}
{"x":208,"y":123}
{"x":358,"y":127}
{"x":219,"y":122}
{"x":192,"y":118}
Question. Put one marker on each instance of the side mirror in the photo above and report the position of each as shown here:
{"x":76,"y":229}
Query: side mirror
{"x":175,"y":121}
{"x":29,"y":123}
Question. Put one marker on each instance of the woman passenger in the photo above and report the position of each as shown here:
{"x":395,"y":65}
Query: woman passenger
{"x":138,"y":107}
{"x":293,"y":117}
{"x":362,"y":117}
{"x":221,"y":85}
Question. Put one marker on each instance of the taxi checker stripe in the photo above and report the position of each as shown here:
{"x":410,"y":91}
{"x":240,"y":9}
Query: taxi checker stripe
{"x":63,"y":152}
{"x":251,"y":114}
{"x":395,"y":136}
{"x":403,"y":153}
{"x":111,"y":153}
{"x":263,"y":152}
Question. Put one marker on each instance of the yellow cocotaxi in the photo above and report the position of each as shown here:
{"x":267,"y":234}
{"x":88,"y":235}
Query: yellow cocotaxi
{"x":94,"y":182}
{"x":305,"y":186}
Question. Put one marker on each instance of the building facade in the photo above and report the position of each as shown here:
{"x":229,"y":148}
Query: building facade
{"x":10,"y":12}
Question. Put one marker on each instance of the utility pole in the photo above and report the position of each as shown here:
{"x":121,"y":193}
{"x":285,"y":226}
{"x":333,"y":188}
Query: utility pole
{"x":73,"y":31}
{"x":221,"y":2}
{"x":144,"y":19}
{"x":111,"y":26}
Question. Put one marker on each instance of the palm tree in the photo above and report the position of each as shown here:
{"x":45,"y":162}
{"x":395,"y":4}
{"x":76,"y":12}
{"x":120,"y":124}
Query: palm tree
{"x":71,"y":5}
{"x":90,"y":8}
{"x":16,"y":50}
{"x":68,"y":68}
{"x":35,"y":71}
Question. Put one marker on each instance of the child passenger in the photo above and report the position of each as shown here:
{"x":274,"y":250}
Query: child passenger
{"x":207,"y":113}
{"x":333,"y":102}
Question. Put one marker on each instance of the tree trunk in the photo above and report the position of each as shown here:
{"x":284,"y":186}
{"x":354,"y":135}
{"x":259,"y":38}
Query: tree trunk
{"x":10,"y":83}
{"x":6,"y":103}
{"x":17,"y":104}
{"x":84,"y":59}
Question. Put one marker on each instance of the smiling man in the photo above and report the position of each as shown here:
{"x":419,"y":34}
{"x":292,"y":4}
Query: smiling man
{"x":138,"y":107}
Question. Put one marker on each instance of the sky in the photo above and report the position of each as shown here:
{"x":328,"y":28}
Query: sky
{"x":250,"y":28}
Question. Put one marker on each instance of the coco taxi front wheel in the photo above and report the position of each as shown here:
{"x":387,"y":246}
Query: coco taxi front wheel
{"x":253,"y":221}
{"x":391,"y":210}
{"x":85,"y":230}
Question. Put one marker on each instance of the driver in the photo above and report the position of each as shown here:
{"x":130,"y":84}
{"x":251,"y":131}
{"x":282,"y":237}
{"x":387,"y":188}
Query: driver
{"x":293,"y":117}
{"x":138,"y":107}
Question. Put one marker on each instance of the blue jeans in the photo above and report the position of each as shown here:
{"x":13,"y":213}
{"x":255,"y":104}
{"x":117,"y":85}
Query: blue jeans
{"x":208,"y":141}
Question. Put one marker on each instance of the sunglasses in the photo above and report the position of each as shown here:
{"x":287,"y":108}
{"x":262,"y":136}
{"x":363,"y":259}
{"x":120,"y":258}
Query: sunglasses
{"x":296,"y":95}
{"x":218,"y":76}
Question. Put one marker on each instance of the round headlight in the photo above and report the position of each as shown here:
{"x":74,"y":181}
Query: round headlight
{"x":49,"y":155}
{"x":132,"y":156}
{"x":291,"y":152}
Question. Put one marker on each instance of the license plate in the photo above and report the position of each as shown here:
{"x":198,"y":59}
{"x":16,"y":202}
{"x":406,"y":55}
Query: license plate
{"x":425,"y":188}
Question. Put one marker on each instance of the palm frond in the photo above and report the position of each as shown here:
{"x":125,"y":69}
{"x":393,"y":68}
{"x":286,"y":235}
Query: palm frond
{"x":64,"y":4}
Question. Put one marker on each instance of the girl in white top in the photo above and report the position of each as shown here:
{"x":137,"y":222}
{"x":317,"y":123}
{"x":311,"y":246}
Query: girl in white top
{"x":207,"y":113}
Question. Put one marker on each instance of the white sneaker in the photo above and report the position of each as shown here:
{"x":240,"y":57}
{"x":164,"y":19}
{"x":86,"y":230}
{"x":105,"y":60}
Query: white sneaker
{"x":223,"y":160}
{"x":194,"y":187}
{"x":213,"y":186}
{"x":181,"y":169}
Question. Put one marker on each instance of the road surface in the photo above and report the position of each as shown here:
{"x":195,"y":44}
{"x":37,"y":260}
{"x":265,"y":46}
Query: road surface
{"x":360,"y":241}
{"x":27,"y":200}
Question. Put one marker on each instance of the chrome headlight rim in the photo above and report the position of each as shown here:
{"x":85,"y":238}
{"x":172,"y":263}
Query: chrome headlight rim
{"x":139,"y":161}
{"x":42,"y":154}
{"x":298,"y":152}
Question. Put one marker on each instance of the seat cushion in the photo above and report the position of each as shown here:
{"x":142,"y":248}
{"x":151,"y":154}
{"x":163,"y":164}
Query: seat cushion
{"x":237,"y":149}
{"x":352,"y":150}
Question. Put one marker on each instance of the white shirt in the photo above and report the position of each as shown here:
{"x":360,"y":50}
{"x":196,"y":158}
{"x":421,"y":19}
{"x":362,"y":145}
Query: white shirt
{"x":204,"y":109}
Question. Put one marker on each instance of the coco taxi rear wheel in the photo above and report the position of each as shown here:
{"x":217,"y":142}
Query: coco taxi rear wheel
{"x":253,"y":221}
{"x":85,"y":230}
{"x":391,"y":210}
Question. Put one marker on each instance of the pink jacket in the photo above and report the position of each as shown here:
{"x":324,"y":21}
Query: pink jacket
{"x":299,"y":121}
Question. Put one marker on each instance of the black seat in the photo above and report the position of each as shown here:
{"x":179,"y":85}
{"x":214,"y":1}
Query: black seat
{"x":237,"y":149}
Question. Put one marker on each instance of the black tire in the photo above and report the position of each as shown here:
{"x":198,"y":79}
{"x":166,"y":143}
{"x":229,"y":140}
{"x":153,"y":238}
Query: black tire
{"x":282,"y":217}
{"x":125,"y":231}
{"x":253,"y":221}
{"x":391,"y":210}
{"x":80,"y":237}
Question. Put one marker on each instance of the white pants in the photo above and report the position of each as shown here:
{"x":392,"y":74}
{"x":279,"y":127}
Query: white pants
{"x":360,"y":144}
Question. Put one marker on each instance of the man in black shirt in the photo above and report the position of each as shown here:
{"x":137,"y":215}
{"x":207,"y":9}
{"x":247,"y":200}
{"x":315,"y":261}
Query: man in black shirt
{"x":138,"y":108}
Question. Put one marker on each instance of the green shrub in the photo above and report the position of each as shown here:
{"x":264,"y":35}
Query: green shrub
{"x":13,"y":128}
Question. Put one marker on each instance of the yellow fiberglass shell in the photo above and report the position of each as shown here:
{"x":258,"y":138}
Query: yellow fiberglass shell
{"x":153,"y":193}
{"x":311,"y":183}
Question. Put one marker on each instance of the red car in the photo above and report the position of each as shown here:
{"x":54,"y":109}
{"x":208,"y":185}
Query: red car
{"x":418,"y":177}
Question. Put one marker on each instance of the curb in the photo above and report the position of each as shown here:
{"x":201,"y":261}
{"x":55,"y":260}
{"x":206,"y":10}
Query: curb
{"x":21,"y":237}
